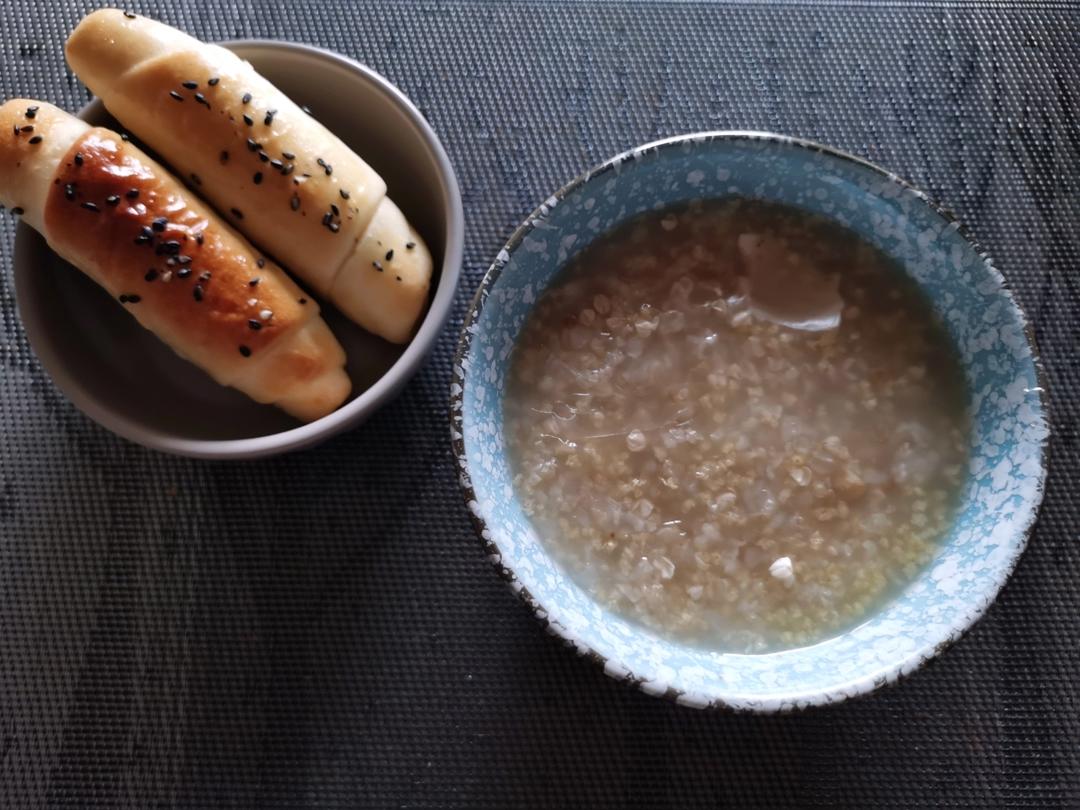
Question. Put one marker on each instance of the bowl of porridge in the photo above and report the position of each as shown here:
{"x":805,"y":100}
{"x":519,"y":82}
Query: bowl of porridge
{"x":750,"y":421}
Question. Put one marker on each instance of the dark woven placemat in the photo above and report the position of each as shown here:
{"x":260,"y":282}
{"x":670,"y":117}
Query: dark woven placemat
{"x":322,"y":630}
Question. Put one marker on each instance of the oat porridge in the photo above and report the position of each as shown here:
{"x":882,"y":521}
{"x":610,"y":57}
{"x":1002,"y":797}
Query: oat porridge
{"x":737,"y":424}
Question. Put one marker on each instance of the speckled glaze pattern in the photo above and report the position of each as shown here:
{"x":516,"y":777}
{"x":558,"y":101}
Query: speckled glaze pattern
{"x":1009,"y":433}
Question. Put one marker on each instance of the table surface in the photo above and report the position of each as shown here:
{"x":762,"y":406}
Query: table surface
{"x":322,"y":630}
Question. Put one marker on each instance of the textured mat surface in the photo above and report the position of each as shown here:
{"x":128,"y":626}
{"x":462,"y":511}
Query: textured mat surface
{"x":322,"y":630}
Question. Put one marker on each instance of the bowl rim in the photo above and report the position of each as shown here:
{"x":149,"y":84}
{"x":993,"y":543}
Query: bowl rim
{"x":734,"y":702}
{"x":370,"y":399}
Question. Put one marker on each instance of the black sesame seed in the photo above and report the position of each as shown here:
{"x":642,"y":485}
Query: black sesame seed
{"x":246,"y":99}
{"x":69,"y":191}
{"x":171,"y":262}
{"x":130,"y":15}
{"x":334,"y":227}
{"x":196,"y":179}
{"x":17,"y":211}
{"x":15,"y":129}
{"x":189,"y":85}
{"x":201,"y":99}
{"x":204,"y":275}
{"x":248,"y":120}
{"x":257,"y":178}
{"x":344,"y":194}
{"x":236,"y":212}
{"x":113,"y":199}
{"x":252,"y":144}
{"x":327,"y":218}
{"x":377,"y":265}
{"x":31,"y":111}
{"x":277,"y":164}
{"x":390,"y":254}
{"x":35,"y":139}
{"x":244,"y":350}
{"x":329,"y":169}
{"x":78,"y":159}
{"x":287,"y":170}
{"x":260,"y":262}
{"x":306,"y":109}
{"x":151,"y":274}
{"x":132,"y":194}
{"x":26,"y":128}
{"x":176,"y":95}
{"x":254,"y":325}
{"x":320,"y":161}
{"x":183,"y":260}
{"x":212,"y":81}
{"x":265,"y":158}
{"x":398,"y":278}
{"x":302,"y":301}
{"x":89,"y":206}
{"x":410,"y":245}
{"x":294,"y":203}
{"x":197,"y":293}
{"x":159,"y":224}
{"x":269,"y":119}
{"x":125,"y":137}
{"x":134,"y":299}
{"x":184,"y":272}
{"x":224,"y":156}
{"x":254,"y":282}
{"x":147,"y":231}
{"x":141,"y":239}
{"x":123,"y":298}
{"x":170,"y":248}
{"x":334,"y":209}
{"x":199,"y":238}
{"x":288,"y":155}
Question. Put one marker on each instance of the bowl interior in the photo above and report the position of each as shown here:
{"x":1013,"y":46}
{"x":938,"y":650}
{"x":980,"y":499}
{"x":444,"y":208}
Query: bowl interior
{"x":1007,"y":467}
{"x":125,"y":377}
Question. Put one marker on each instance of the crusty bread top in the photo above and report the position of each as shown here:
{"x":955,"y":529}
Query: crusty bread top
{"x":33,"y":137}
{"x":163,"y":254}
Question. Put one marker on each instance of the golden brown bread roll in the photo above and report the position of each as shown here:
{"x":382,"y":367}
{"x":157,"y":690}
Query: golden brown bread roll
{"x":122,"y":219}
{"x":274,"y":171}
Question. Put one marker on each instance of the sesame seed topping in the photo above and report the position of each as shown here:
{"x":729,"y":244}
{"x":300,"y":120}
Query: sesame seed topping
{"x":26,"y":128}
{"x":176,"y":95}
{"x":151,"y":274}
{"x":334,"y":227}
{"x":287,"y":169}
{"x":260,"y":262}
{"x":199,"y":238}
{"x":189,"y":85}
{"x":294,"y":203}
{"x":248,"y":120}
{"x":252,"y":144}
{"x":197,"y":293}
{"x":201,"y":99}
{"x":147,"y":231}
{"x":184,"y":272}
{"x":171,"y":262}
{"x":265,"y":158}
{"x":36,"y":139}
{"x":132,"y":299}
{"x":252,"y":302}
{"x":31,"y":111}
{"x":246,"y":98}
{"x":320,"y":161}
{"x":288,"y":155}
{"x":69,"y":191}
{"x":244,"y":350}
{"x":132,"y":194}
{"x":130,"y":15}
{"x":159,"y":224}
{"x":212,"y":81}
{"x":344,"y":194}
{"x":265,"y":314}
{"x":17,"y":211}
{"x":254,"y":282}
{"x":329,"y":169}
{"x":327,"y":218}
{"x":269,"y":119}
{"x":204,"y":275}
{"x":125,"y":137}
{"x":410,"y":245}
{"x":236,"y":212}
{"x":334,"y":210}
{"x":89,"y":206}
{"x":166,"y":277}
{"x":183,"y":260}
{"x":254,"y":324}
{"x":307,"y":109}
{"x":113,"y":199}
{"x":398,"y":278}
{"x":390,"y":254}
{"x":302,"y":301}
{"x":277,"y":164}
{"x":257,"y":178}
{"x":224,"y":156}
{"x":172,"y":247}
{"x":78,"y":159}
{"x":377,"y":265}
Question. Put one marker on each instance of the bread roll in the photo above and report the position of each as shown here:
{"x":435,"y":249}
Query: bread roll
{"x":274,"y":171}
{"x":122,"y":219}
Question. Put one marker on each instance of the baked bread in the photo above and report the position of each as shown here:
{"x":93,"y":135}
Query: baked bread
{"x":185,"y":275}
{"x":271,"y":169}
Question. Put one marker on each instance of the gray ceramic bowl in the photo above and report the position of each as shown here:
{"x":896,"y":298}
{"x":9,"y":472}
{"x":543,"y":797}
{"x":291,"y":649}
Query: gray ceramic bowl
{"x":127,"y":380}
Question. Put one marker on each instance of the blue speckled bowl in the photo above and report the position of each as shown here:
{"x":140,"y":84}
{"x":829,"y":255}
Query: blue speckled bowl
{"x":1010,"y":425}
